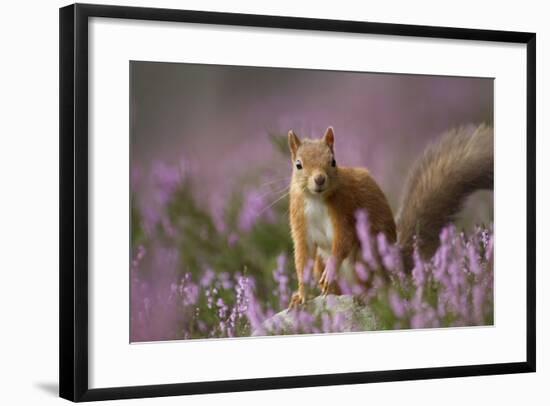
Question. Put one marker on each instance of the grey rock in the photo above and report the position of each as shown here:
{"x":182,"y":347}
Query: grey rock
{"x":331,"y":313}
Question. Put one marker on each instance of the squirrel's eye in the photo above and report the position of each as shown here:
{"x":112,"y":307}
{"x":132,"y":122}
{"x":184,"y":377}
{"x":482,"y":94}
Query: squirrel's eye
{"x":333,"y":163}
{"x":299,"y":165}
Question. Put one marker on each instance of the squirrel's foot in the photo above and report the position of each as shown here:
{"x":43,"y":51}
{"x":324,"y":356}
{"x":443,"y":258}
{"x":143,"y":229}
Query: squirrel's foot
{"x":297,"y":299}
{"x":326,"y":283}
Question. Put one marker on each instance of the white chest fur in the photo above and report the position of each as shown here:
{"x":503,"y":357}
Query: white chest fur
{"x":320,"y":233}
{"x":319,"y":227}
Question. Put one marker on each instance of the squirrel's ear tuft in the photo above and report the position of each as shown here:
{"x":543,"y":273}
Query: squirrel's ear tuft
{"x":293,"y":143}
{"x":328,"y":138}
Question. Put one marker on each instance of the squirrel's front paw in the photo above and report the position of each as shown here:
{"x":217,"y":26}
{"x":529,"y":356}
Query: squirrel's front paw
{"x":297,"y":299}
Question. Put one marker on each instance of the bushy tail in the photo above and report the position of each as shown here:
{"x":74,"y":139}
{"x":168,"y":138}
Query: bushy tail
{"x":449,"y":171}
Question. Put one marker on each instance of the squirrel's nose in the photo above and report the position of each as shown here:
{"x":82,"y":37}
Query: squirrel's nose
{"x":320,"y":180}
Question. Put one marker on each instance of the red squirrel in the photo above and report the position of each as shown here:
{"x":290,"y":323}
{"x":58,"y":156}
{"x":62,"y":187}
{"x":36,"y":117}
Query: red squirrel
{"x":325,"y":197}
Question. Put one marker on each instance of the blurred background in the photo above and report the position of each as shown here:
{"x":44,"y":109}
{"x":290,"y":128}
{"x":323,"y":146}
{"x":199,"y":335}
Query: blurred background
{"x":210,"y":165}
{"x":220,"y":118}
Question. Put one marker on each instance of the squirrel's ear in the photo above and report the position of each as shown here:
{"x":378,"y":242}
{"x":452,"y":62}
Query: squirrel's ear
{"x":293,"y":143}
{"x":328,"y":138}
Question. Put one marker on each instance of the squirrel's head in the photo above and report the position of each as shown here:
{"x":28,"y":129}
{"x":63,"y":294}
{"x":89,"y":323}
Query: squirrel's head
{"x":315,"y":169}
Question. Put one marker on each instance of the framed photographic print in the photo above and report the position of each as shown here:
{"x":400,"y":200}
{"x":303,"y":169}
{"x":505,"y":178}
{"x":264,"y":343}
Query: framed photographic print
{"x":255,"y":202}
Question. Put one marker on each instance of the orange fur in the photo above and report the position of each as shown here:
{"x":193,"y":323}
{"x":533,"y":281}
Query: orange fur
{"x":344,"y":191}
{"x":324,"y":199}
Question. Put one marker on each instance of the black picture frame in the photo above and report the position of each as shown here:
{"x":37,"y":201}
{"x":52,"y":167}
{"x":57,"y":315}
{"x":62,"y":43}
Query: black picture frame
{"x":74,"y":171}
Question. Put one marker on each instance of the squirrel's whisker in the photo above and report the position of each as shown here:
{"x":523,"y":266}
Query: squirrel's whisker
{"x":273,"y":181}
{"x":272,"y":204}
{"x":272,"y":192}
